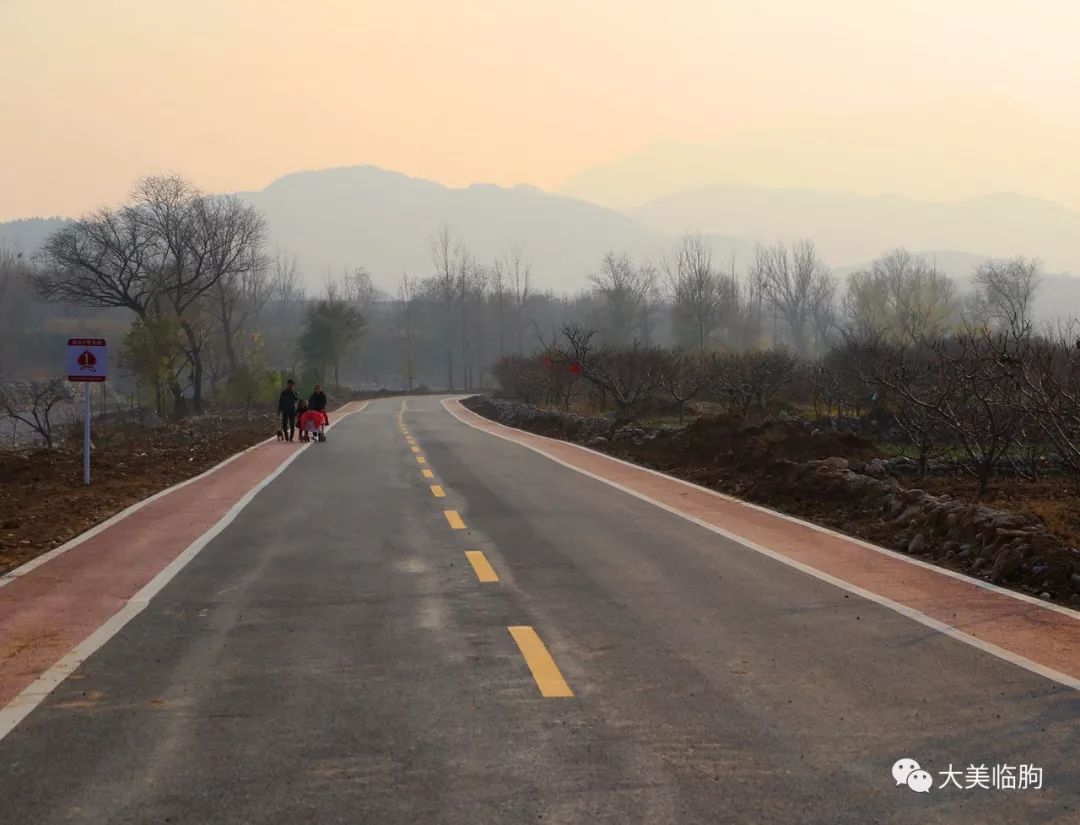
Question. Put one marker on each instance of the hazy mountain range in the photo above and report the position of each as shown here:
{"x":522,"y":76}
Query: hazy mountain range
{"x":364,"y":216}
{"x":849,"y":228}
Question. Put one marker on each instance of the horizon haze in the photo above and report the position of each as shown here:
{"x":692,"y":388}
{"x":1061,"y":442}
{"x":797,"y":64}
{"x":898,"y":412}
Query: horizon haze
{"x":618,"y":104}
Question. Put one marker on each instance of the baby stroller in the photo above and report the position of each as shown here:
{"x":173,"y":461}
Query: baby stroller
{"x":313,"y":426}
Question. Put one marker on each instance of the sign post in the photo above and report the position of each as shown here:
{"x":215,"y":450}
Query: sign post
{"x":87,"y":363}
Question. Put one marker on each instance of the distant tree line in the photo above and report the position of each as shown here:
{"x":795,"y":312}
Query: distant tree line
{"x":207,"y":312}
{"x":971,"y":381}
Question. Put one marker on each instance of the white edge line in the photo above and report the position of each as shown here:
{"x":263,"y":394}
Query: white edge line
{"x":37,"y":561}
{"x":33,"y":694}
{"x":902,"y":609}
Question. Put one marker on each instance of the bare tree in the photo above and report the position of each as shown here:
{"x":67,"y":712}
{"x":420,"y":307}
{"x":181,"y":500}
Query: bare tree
{"x":286,"y":284}
{"x":879,"y":364}
{"x":1006,"y":289}
{"x":519,"y":276}
{"x":797,"y":284}
{"x":110,"y":258}
{"x":406,"y":318}
{"x":360,"y":289}
{"x":748,"y":302}
{"x":235,"y":300}
{"x":625,"y":291}
{"x":201,"y":240}
{"x":163,"y":252}
{"x":31,"y":403}
{"x":1046,"y":375}
{"x":499,"y":293}
{"x":695,"y":289}
{"x":628,"y":375}
{"x":683,"y":375}
{"x":446,"y":258}
{"x":15,"y":297}
{"x":651,"y":300}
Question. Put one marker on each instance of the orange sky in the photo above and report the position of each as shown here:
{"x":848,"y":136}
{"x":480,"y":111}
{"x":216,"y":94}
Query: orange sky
{"x":234,"y":93}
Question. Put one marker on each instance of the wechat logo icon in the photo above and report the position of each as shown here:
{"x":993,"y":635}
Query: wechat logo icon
{"x":906,"y":771}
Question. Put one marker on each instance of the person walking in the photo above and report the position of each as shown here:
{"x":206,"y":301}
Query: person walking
{"x":287,"y":407}
{"x":317,"y":402}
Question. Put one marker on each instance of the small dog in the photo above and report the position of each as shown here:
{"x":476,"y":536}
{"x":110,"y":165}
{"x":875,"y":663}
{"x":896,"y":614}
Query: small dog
{"x":280,"y":435}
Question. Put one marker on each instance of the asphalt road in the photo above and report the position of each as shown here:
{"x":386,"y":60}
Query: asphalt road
{"x":332,"y":657}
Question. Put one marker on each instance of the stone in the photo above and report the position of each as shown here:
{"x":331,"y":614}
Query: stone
{"x":917,"y":545}
{"x":1006,"y":564}
{"x":1011,"y":534}
{"x":909,"y":515}
{"x":893,"y":504}
{"x":835,"y":463}
{"x":876,"y":468}
{"x":1007,"y":520}
{"x":598,"y":441}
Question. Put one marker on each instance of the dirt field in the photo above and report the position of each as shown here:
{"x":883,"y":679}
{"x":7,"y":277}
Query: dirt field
{"x":43,"y":502}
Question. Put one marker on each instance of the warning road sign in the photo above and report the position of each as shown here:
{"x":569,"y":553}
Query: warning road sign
{"x":87,"y":359}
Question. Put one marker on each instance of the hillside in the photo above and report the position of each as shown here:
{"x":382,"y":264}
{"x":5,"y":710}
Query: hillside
{"x":28,"y":234}
{"x":382,"y":220}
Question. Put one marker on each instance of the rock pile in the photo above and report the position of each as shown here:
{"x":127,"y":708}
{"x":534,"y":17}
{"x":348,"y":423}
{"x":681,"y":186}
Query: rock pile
{"x":536,"y":420}
{"x":999,"y":546}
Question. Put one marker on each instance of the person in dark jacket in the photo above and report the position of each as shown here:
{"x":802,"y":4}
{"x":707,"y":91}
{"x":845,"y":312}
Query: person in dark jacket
{"x":287,"y":407}
{"x":317,"y":401}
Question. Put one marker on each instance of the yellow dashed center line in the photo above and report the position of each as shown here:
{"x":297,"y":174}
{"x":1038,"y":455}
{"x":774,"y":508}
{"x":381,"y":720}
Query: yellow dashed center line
{"x":480,"y":565}
{"x":454,"y":519}
{"x":438,"y":491}
{"x":543,"y":667}
{"x":421,"y":460}
{"x":415,"y":449}
{"x":427,"y":473}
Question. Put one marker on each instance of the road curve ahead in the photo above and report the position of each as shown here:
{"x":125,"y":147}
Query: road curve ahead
{"x":418,"y":622}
